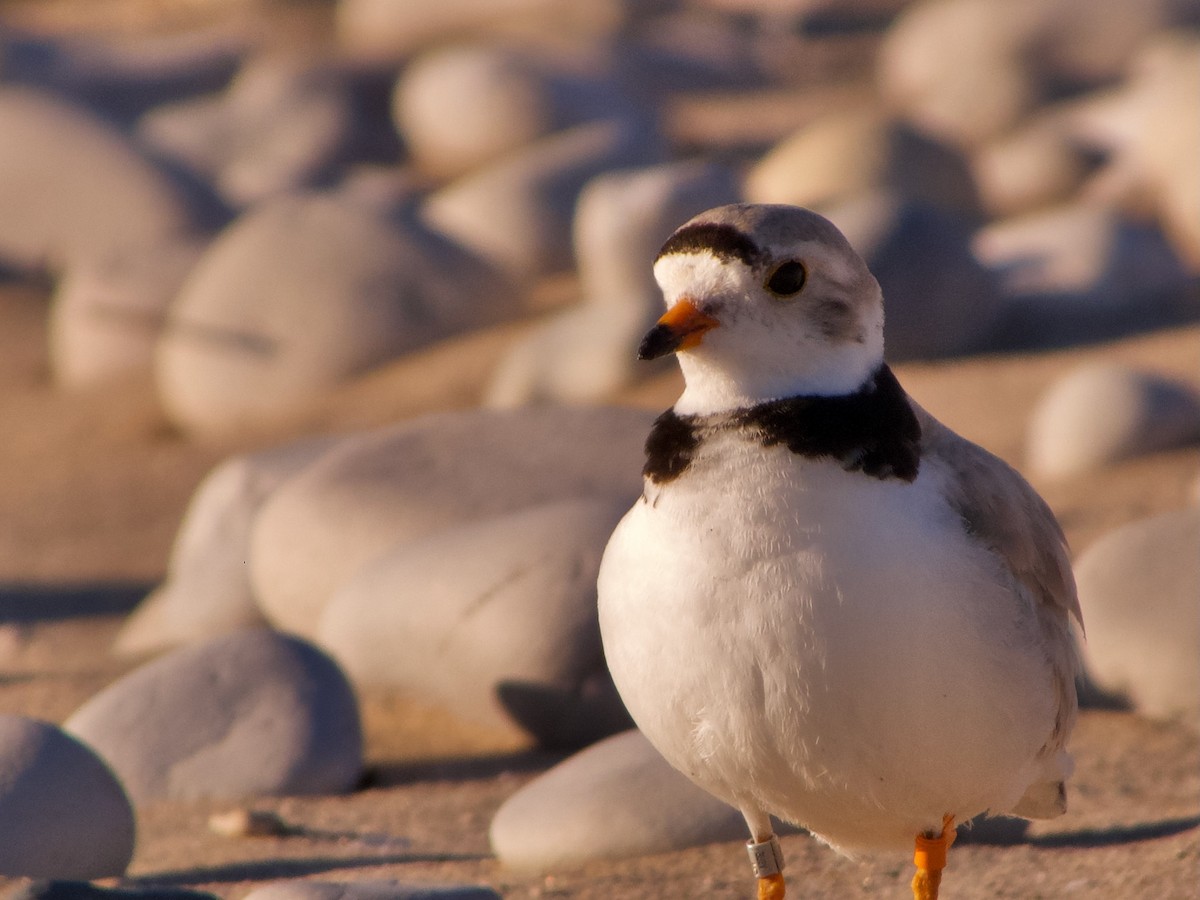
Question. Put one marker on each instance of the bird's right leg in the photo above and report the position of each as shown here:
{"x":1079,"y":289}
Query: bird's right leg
{"x":766,"y":856}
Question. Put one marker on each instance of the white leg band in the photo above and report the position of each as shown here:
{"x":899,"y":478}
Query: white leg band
{"x":766,"y":858}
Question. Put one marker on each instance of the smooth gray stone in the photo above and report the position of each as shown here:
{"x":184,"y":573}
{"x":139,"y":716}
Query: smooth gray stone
{"x":302,"y":294}
{"x":73,"y":187}
{"x":616,"y":799}
{"x":1083,"y":271}
{"x":376,"y":490}
{"x":621,"y":221}
{"x":283,"y":124}
{"x":63,"y":814}
{"x":494,"y":620}
{"x":1102,"y":413}
{"x":253,"y":713}
{"x":1139,"y":587}
{"x":107,"y":313}
{"x":939,"y":300}
{"x":123,"y":75}
{"x":207,"y":591}
{"x":369,"y":890}
{"x":517,"y":212}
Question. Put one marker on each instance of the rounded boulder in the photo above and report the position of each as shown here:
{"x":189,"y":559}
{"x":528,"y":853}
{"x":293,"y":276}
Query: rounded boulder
{"x":253,"y":713}
{"x":63,"y":814}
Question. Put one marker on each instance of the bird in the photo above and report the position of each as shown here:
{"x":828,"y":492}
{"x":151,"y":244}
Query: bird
{"x":826,"y":606}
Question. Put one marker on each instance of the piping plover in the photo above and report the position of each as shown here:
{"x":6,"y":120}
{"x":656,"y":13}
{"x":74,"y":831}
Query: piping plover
{"x":827,"y":606}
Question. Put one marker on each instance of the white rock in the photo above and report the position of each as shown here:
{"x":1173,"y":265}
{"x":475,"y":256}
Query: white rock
{"x":1149,"y":130}
{"x":73,"y":187}
{"x":1099,"y":414}
{"x":486,"y":618}
{"x":376,"y":490}
{"x":207,"y":590}
{"x":847,"y":152}
{"x":517,"y":212}
{"x":1083,"y":271}
{"x":615,"y":799}
{"x":281,"y":125}
{"x":248,"y":714}
{"x":1035,"y":165}
{"x":621,"y":221}
{"x":303,"y":293}
{"x":503,"y":97}
{"x":952,"y":67}
{"x":1139,"y":587}
{"x":62,"y":812}
{"x":369,"y":890}
{"x":940,"y":300}
{"x":106,"y":314}
{"x":970,"y":69}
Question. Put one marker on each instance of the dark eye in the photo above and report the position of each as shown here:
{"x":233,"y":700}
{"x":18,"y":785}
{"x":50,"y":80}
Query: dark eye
{"x":787,"y":279}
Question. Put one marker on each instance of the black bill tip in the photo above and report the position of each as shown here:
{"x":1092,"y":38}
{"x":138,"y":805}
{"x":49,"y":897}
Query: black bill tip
{"x":659,"y":341}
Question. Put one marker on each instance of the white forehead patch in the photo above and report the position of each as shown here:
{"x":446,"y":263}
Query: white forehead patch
{"x":698,"y":275}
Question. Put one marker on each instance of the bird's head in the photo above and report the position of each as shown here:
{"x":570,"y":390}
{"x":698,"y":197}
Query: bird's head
{"x":763,"y":302}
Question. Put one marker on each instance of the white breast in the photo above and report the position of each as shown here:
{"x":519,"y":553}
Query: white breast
{"x":824,"y":645}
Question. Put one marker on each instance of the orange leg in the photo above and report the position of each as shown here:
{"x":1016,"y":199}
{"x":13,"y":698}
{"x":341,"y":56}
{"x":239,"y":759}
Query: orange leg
{"x":770,"y":887}
{"x":767,"y":859}
{"x":930,"y":859}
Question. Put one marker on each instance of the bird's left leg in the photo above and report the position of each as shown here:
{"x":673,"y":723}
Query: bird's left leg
{"x":930,"y":859}
{"x":766,"y":856}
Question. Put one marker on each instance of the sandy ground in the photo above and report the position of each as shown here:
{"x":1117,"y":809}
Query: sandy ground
{"x":92,"y":486}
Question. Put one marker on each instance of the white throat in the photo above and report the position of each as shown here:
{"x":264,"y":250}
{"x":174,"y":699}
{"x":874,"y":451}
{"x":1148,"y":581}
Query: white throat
{"x":713,"y":386}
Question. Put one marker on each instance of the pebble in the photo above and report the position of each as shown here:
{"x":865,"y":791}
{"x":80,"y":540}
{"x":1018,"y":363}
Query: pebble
{"x":369,"y":890}
{"x":107,"y":313}
{"x":248,"y":714}
{"x":73,"y":187}
{"x":282,"y":124}
{"x":616,"y":799}
{"x":242,"y":823}
{"x":847,"y":152}
{"x":517,"y":212}
{"x":940,"y":300}
{"x":378,"y":489}
{"x":483,"y":617}
{"x":1102,"y":413}
{"x":504,"y":97}
{"x":62,"y":812}
{"x":207,"y":590}
{"x":1082,"y":271}
{"x":301,"y":294}
{"x":1139,"y":587}
{"x":622,"y":219}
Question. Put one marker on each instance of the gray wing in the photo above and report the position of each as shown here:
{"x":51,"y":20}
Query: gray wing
{"x":1002,"y":511}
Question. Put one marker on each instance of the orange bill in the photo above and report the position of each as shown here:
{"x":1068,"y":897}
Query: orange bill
{"x":681,"y":327}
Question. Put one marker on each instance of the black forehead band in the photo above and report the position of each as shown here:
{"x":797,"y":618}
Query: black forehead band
{"x":723,"y":241}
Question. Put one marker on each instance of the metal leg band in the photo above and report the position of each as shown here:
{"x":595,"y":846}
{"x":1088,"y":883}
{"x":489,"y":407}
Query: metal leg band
{"x":766,"y":857}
